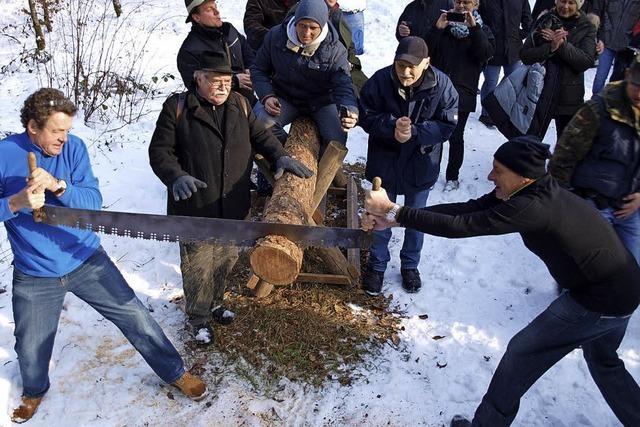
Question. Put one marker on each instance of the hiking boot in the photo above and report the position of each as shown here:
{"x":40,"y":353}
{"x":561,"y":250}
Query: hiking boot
{"x":27,"y":408}
{"x":191,"y":386}
{"x":202,"y":333}
{"x":372,"y":281}
{"x":223,"y":315}
{"x":486,"y":120}
{"x":460,"y":421}
{"x":411,"y":280}
{"x":451,"y":185}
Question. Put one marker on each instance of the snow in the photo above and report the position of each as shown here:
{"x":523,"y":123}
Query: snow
{"x":477,"y":292}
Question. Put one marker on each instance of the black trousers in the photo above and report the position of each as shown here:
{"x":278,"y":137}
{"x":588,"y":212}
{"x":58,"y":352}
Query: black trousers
{"x":456,"y":147}
{"x":561,"y":122}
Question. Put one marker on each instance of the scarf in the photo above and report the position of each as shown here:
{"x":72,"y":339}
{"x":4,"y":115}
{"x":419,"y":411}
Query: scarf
{"x":460,"y":30}
{"x":305,"y":50}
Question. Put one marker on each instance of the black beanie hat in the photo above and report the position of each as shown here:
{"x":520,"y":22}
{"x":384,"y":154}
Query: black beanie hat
{"x":525,"y":155}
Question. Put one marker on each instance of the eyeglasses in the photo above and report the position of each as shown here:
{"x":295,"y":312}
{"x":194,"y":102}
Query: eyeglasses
{"x":218,"y":83}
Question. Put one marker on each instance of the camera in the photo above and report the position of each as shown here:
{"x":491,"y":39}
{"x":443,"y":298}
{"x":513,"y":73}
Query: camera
{"x":456,"y":17}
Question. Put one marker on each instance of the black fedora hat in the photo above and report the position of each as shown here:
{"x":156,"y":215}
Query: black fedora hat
{"x":216,"y":61}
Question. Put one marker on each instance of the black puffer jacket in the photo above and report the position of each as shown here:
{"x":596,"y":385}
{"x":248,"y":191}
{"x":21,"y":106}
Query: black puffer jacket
{"x":563,"y":92}
{"x":262,"y":15}
{"x":462,"y":60}
{"x":203,"y":39}
{"x":510,"y":22}
{"x":220,"y":156}
{"x":594,"y":266}
{"x":422,"y":14}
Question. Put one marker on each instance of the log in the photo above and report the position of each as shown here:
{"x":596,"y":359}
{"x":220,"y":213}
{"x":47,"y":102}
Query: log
{"x":329,"y":164}
{"x":276,"y":259}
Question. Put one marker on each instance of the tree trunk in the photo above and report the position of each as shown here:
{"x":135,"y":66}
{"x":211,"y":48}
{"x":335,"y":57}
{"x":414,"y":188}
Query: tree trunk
{"x":275,"y":259}
{"x":117,"y":7}
{"x":46,"y":15}
{"x":36,"y":25}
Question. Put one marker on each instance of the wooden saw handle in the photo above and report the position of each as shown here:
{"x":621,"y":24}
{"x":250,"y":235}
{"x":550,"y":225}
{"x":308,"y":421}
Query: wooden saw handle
{"x":377,"y":183}
{"x":38,"y":214}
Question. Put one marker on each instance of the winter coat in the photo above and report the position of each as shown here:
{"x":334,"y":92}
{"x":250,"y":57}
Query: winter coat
{"x":262,"y":15}
{"x":422,"y":14}
{"x":432,"y":107}
{"x":510,"y":22}
{"x":358,"y":77}
{"x":564,"y":80}
{"x":309,"y":83}
{"x":221,"y":157}
{"x":462,"y":60}
{"x":579,"y":247}
{"x":512,"y":104}
{"x":204,"y":39}
{"x":617,"y":18}
{"x":599,"y":149}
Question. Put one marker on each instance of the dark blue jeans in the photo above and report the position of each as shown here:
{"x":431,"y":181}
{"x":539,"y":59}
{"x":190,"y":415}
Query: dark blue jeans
{"x":492,"y":76}
{"x":605,"y":61}
{"x":564,"y":326}
{"x":627,"y":229}
{"x":37,"y":303}
{"x":355,"y":22}
{"x":412,"y":245}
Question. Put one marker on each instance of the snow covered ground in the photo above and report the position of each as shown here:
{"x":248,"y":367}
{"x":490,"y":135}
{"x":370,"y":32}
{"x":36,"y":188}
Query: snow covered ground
{"x":477,"y":292}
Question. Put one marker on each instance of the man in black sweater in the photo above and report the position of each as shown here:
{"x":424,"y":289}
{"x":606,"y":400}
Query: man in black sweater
{"x":600,"y":278}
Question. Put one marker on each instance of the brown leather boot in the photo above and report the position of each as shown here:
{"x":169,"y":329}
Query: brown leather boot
{"x":27,"y":408}
{"x":191,"y":386}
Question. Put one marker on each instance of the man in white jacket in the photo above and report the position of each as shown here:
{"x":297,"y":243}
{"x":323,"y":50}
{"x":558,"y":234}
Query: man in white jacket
{"x":353,"y":13}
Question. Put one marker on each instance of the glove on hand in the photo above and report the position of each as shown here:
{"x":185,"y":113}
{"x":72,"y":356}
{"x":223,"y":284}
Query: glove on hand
{"x":184,"y":187}
{"x":289,"y":164}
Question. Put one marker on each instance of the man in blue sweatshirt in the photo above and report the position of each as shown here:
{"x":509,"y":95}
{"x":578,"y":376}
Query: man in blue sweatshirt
{"x":49,"y":261}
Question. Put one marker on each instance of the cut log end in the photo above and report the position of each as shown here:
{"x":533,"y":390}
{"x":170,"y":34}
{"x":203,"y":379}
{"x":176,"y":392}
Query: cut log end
{"x":276,"y":260}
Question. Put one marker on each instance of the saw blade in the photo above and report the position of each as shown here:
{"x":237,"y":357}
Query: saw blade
{"x":175,"y":228}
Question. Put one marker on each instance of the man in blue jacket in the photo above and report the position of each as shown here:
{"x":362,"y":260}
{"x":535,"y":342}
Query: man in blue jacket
{"x":409,"y":109}
{"x":51,"y":261}
{"x":302,"y":69}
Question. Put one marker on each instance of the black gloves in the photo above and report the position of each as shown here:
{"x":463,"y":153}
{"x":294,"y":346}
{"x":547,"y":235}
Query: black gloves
{"x":184,"y":187}
{"x":289,"y":164}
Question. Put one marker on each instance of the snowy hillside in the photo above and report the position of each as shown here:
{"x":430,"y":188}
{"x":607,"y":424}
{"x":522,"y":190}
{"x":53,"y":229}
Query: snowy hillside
{"x":477,"y":292}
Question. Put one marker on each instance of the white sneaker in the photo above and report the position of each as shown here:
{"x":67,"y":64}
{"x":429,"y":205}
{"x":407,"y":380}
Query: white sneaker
{"x":451,"y":185}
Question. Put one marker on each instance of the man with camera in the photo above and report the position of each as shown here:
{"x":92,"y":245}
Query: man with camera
{"x":598,"y":155}
{"x":408,"y":109}
{"x":419,"y":17}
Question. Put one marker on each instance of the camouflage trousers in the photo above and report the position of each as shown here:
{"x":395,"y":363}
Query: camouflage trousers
{"x":205,"y":267}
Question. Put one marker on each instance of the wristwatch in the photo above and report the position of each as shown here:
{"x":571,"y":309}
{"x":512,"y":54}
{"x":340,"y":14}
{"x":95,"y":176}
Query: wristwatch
{"x":392,"y":213}
{"x":62,"y":187}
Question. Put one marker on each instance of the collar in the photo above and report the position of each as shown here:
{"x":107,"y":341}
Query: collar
{"x":618,"y":105}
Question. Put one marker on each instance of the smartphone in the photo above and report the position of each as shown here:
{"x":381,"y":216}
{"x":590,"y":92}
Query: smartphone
{"x":344,"y":112}
{"x":456,"y":17}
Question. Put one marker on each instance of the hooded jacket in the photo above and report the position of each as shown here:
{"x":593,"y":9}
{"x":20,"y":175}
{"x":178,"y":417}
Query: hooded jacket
{"x":307,"y":82}
{"x":432,"y":107}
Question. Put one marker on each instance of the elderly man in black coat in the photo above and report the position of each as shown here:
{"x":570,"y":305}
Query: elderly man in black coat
{"x":201,"y":150}
{"x":209,"y":33}
{"x":408,"y":109}
{"x":583,"y":254}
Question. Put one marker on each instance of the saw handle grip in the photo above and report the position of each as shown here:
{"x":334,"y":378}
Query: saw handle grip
{"x":377,"y":183}
{"x":38,"y":214}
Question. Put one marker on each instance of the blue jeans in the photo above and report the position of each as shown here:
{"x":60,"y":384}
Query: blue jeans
{"x":627,"y":229}
{"x":355,"y":22}
{"x":412,"y":245}
{"x":326,"y":118}
{"x":491,"y":76}
{"x":564,"y":326}
{"x":37,"y":303}
{"x":605,"y":61}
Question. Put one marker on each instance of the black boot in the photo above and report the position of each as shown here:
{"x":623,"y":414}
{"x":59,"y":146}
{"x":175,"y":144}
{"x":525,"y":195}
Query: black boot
{"x":223,"y":315}
{"x":372,"y":281}
{"x":411,"y":280}
{"x":460,"y":421}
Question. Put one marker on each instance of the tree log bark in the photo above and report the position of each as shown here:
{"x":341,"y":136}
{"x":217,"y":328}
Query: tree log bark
{"x":275,"y":259}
